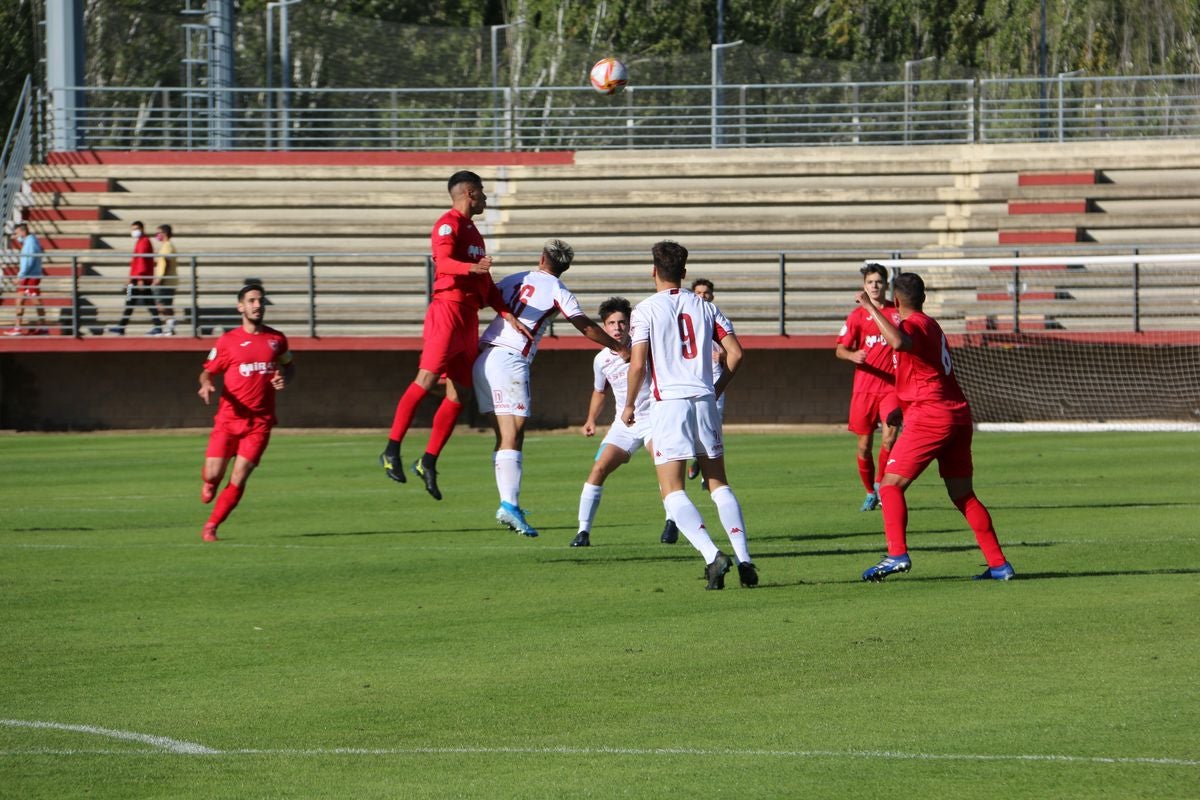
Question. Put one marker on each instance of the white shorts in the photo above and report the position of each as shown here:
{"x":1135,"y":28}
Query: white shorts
{"x":626,"y":438}
{"x":685,"y":428}
{"x":501,"y":378}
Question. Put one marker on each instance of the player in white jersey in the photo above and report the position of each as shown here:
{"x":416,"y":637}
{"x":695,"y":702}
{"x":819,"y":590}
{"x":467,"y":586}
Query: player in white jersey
{"x":609,"y":369}
{"x":670,"y":333}
{"x":704,"y":289}
{"x":501,"y":372}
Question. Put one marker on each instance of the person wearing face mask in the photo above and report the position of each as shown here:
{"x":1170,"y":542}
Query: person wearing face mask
{"x":29,"y":280}
{"x":139,"y":292}
{"x":166,"y":276}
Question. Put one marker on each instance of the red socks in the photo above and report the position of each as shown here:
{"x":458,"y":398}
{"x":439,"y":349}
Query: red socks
{"x":226,"y":503}
{"x":981,"y":523}
{"x":895,"y":519}
{"x":443,"y":425}
{"x":866,"y":472}
{"x":405,"y":410}
{"x":884,"y":452}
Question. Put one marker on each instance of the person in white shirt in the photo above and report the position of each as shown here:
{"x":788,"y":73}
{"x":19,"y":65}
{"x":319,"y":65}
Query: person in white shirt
{"x":704,"y":289}
{"x":671,"y":331}
{"x":501,"y":372}
{"x":609,"y":369}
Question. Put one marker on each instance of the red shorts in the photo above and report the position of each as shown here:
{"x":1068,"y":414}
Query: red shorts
{"x":451,"y":340}
{"x":867,"y":410}
{"x":30,"y":287}
{"x":232,"y":436}
{"x":927,"y":439}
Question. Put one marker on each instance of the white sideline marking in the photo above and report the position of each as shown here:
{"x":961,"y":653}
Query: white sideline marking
{"x":161,"y":742}
{"x":164,"y":745}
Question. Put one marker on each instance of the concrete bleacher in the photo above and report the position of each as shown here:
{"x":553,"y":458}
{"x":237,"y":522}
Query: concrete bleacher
{"x":827,"y":208}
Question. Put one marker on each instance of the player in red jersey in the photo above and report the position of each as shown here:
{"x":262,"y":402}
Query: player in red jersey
{"x":937,"y":425}
{"x":255,"y":363}
{"x":873,"y":398}
{"x":462,"y":285}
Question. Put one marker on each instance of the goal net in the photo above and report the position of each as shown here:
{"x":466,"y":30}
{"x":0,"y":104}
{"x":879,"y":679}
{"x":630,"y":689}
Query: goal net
{"x":1070,"y":342}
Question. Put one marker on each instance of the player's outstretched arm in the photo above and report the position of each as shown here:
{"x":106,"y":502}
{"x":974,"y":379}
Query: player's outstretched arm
{"x":585,"y":325}
{"x":896,"y":338}
{"x":207,"y":387}
{"x":733,"y":361}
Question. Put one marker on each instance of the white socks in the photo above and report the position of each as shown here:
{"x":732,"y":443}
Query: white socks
{"x":687,"y":518}
{"x":589,"y":502}
{"x":508,"y":475}
{"x":731,"y":517}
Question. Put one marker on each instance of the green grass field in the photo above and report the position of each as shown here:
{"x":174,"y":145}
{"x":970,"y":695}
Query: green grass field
{"x":352,"y":638}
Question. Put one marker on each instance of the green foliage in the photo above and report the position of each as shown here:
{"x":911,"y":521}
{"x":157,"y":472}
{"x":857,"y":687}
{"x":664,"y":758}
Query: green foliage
{"x":345,"y":611}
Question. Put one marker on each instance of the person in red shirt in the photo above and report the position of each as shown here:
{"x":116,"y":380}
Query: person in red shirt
{"x":254,"y":363}
{"x":462,"y":285}
{"x":139,"y":291}
{"x":873,"y":398}
{"x":937,"y":425}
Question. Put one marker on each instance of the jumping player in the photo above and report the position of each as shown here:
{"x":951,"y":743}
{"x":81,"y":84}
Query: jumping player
{"x":501,"y":371}
{"x":671,"y":331}
{"x":255,"y":363}
{"x":873,"y":398}
{"x":937,"y":425}
{"x":462,"y":285}
{"x":609,"y":369}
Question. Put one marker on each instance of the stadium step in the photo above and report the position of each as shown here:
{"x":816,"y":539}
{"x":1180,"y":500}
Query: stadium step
{"x":65,"y":185}
{"x":46,"y":214}
{"x":1017,"y":207}
{"x":1082,"y":178}
{"x":1060,"y":236}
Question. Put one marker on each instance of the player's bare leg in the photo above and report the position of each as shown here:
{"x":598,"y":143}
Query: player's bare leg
{"x":212,"y":474}
{"x":962,"y":494}
{"x":510,"y":439}
{"x":230,"y":496}
{"x":605,"y":464}
{"x":730,"y":512}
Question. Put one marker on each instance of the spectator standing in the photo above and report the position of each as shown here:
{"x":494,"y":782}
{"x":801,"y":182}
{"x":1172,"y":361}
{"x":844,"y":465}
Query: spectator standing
{"x":139,"y":292}
{"x":166,"y":278}
{"x":29,"y":280}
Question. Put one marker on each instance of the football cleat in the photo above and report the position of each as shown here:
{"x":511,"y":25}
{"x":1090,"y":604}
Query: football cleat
{"x":1004,"y":572}
{"x":670,"y":534}
{"x":207,"y":492}
{"x":581,"y":540}
{"x":871,"y":503}
{"x":429,"y":475}
{"x":748,"y":574}
{"x":694,"y":471}
{"x":210,"y":532}
{"x":888,"y":566}
{"x":715,"y":572}
{"x":514,"y":518}
{"x":390,"y":469}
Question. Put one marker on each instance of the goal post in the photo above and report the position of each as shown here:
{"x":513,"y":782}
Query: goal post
{"x":1071,"y":342}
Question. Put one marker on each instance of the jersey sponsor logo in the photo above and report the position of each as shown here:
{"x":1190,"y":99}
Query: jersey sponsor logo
{"x":475,"y":251}
{"x":871,"y":341}
{"x":445,"y":230}
{"x":252,"y":367}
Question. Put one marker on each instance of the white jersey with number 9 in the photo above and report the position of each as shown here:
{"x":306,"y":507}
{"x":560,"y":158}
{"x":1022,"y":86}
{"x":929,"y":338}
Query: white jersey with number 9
{"x":679,"y":327}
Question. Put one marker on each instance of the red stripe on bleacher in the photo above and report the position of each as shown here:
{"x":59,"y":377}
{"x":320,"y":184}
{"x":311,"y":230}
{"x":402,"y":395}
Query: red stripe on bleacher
{"x":366,"y":158}
{"x":36,"y":214}
{"x":50,"y":242}
{"x":1058,"y":178}
{"x":61,"y":185}
{"x":1016,"y":208}
{"x":1065,"y":236}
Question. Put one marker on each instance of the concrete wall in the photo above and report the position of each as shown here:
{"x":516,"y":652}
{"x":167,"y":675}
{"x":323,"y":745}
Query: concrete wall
{"x":99,"y":390}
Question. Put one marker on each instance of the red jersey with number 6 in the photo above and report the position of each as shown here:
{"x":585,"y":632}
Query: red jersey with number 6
{"x":247,"y":362}
{"x":925,"y":379}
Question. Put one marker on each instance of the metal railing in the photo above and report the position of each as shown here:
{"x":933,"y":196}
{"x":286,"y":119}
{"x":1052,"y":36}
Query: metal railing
{"x":541,"y":118}
{"x":784,"y":293}
{"x":17,"y":152}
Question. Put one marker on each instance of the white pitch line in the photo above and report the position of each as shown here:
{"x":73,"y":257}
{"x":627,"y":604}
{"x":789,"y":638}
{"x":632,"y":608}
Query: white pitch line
{"x":166,"y":746}
{"x":162,"y":742}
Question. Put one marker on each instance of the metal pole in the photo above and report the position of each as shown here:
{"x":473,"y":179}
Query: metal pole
{"x":1137,"y":295}
{"x":496,"y":124}
{"x":1062,"y":75}
{"x":716,"y":85}
{"x":312,"y":297}
{"x":783,"y":294}
{"x":269,"y":111}
{"x":1042,"y":73}
{"x":428,"y":280}
{"x":908,"y":65}
{"x":285,"y":79}
{"x":1016,"y":298}
{"x":75,"y":296}
{"x":195,"y":306}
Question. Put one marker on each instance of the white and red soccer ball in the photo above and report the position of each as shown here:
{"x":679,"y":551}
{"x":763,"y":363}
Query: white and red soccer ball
{"x":608,"y":76}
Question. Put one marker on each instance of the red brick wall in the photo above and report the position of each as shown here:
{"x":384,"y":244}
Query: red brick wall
{"x":97,"y":390}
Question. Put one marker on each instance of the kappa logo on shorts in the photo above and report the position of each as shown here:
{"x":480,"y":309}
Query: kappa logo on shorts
{"x":658,"y":453}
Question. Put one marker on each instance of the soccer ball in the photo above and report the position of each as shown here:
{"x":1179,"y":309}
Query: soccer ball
{"x":609,"y":76}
